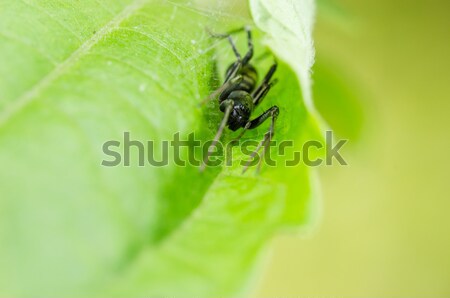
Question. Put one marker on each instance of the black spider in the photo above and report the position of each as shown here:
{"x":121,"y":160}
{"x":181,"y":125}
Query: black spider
{"x":239,"y":96}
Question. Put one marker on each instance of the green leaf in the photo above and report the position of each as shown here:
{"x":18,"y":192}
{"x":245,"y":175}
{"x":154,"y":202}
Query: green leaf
{"x":288,"y":25}
{"x":77,"y":74}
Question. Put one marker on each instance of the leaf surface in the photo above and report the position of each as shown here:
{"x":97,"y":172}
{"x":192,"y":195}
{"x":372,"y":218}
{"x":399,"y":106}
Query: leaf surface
{"x":77,"y":74}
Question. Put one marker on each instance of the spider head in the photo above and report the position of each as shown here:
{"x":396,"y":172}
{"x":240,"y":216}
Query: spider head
{"x":239,"y":116}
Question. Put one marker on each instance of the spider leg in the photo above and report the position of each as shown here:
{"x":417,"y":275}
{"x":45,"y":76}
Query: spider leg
{"x":260,"y":92}
{"x":236,"y":80}
{"x":228,"y":107}
{"x":249,"y":54}
{"x":230,"y":40}
{"x":240,"y":61}
{"x":247,"y":29}
{"x":234,"y":70}
{"x":265,"y":143}
{"x":224,"y":35}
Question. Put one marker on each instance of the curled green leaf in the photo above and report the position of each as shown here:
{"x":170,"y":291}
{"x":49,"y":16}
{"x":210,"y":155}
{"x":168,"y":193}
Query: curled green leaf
{"x":78,"y":74}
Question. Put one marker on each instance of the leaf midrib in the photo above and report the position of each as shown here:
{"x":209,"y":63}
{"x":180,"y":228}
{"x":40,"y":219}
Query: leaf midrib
{"x":28,"y":96}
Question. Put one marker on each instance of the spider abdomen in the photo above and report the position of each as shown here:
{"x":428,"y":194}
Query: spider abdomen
{"x":249,"y":77}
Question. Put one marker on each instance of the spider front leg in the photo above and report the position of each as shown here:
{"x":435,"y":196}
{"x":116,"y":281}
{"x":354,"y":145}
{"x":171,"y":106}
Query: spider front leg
{"x":273,"y":113}
{"x":228,"y":107}
{"x":228,"y":84}
{"x":240,"y":62}
{"x":248,"y":56}
{"x":260,"y":92}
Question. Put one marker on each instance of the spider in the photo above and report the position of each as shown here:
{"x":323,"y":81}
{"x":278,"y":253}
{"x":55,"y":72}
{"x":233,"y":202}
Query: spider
{"x":239,"y":96}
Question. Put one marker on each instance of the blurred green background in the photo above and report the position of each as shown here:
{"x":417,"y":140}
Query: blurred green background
{"x":385,"y":228}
